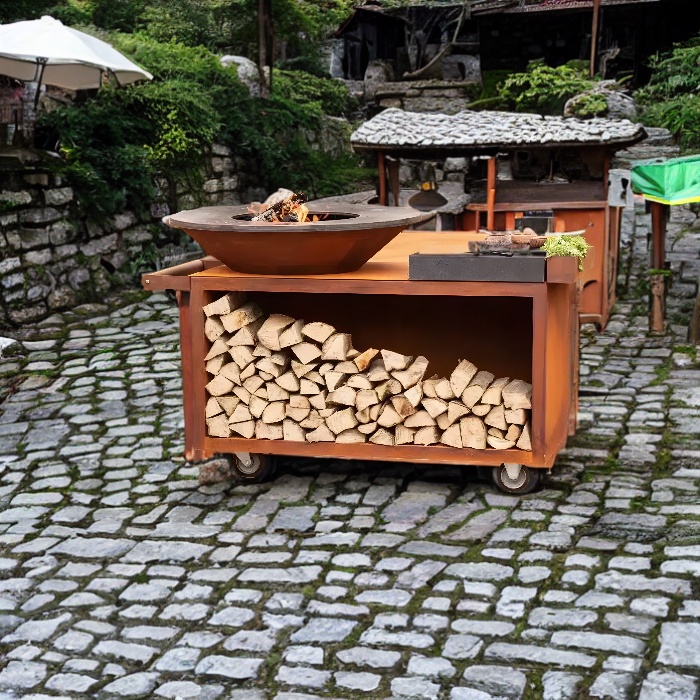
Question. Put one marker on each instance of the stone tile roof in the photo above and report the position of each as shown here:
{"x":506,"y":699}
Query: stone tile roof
{"x":517,"y":6}
{"x":395,"y":129}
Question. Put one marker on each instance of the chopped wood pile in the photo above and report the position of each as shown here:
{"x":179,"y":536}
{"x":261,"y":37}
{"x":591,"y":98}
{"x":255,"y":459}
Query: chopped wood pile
{"x":279,"y":378}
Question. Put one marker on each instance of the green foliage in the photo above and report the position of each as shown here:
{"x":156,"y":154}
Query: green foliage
{"x":18,"y":10}
{"x":589,"y":104}
{"x":567,"y":246}
{"x":544,"y":89}
{"x":331,"y":96}
{"x":672,"y":97}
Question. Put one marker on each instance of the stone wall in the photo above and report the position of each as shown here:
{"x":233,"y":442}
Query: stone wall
{"x":53,"y":256}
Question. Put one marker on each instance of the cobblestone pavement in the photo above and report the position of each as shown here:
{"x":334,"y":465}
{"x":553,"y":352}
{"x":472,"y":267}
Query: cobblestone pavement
{"x":121,"y":576}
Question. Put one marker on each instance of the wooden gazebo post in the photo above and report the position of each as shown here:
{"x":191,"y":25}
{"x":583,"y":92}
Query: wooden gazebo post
{"x":657,"y":279}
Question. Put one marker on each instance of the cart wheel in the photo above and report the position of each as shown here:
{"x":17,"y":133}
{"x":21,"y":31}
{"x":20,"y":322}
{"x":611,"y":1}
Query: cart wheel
{"x":515,"y":478}
{"x":254,"y":468}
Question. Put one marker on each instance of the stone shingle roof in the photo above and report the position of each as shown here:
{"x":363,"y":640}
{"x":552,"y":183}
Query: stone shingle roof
{"x":397,"y":130}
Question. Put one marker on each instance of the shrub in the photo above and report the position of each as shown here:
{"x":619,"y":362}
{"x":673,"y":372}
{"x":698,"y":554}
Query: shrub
{"x":544,"y":89}
{"x":589,"y":104}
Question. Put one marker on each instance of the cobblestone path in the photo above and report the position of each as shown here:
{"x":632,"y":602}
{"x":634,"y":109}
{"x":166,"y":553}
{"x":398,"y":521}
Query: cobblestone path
{"x":121,"y":576}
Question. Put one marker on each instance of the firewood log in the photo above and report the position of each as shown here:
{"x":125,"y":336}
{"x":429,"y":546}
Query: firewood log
{"x":309,"y":388}
{"x":342,"y":420}
{"x":388,"y":388}
{"x":493,"y":394}
{"x":318,"y":331}
{"x":248,"y":335}
{"x":347,"y":367}
{"x":404,"y":435}
{"x":225,"y":304}
{"x":402,"y":405}
{"x":274,"y":412}
{"x":496,"y":418}
{"x":306,"y":352}
{"x":382,"y":437}
{"x":218,"y":426}
{"x":261,"y":393}
{"x":241,"y":414}
{"x":257,"y":406}
{"x":363,"y":360}
{"x":245,"y":429}
{"x":377,"y":372}
{"x":315,"y":377}
{"x":388,"y":418}
{"x":524,"y":442}
{"x":299,"y":401}
{"x":429,"y":435}
{"x":261,"y":351}
{"x":289,"y":381}
{"x":266,"y":431}
{"x":312,"y":421}
{"x":214,"y":365}
{"x":495,"y":432}
{"x":267,"y":365}
{"x":247,"y":372}
{"x":242,"y":355}
{"x":352,"y":353}
{"x":326,"y":367}
{"x":481,"y":409}
{"x":321,"y":434}
{"x":517,"y":394}
{"x":420,"y":419}
{"x":228,"y":403}
{"x":374,"y":411}
{"x":242,"y":393}
{"x":219,"y":347}
{"x":351,"y":436}
{"x":462,"y":376}
{"x":434,"y":406}
{"x":429,"y":387}
{"x":363,"y":416}
{"x":264,"y":375}
{"x":414,"y":394}
{"x":516,"y":416}
{"x":219,"y":386}
{"x":452,"y":436}
{"x":443,"y":421}
{"x":213,"y":329}
{"x":333,"y":379}
{"x":213,"y":408}
{"x":301,"y":369}
{"x":394,"y":361}
{"x":318,"y":401}
{"x":270,"y":331}
{"x":292,"y":335}
{"x":473,"y":393}
{"x":293,"y":431}
{"x":499,"y":443}
{"x":443,"y":390}
{"x":359,"y":381}
{"x":337,"y":347}
{"x":473,"y":432}
{"x":231,"y":371}
{"x":367,"y":428}
{"x":276,"y":393}
{"x":296,"y":414}
{"x":253,"y":383}
{"x":412,"y":374}
{"x":455,"y":410}
{"x":344,"y":396}
{"x":242,"y":316}
{"x":513,"y":433}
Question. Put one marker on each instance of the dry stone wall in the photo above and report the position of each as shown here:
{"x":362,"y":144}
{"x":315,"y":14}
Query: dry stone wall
{"x":53,"y":255}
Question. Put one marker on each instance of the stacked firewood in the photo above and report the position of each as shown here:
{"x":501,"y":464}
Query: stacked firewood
{"x":278,"y":378}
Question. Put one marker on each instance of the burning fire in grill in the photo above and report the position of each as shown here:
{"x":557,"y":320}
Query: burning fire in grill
{"x":291,"y":209}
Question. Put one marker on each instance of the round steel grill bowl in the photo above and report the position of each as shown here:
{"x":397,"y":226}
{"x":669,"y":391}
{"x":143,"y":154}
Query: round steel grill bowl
{"x":346,"y":238}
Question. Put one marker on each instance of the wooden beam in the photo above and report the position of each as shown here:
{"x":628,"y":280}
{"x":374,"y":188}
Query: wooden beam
{"x":491,"y":193}
{"x":594,"y":36}
{"x":381,"y":166}
{"x":657,"y":281}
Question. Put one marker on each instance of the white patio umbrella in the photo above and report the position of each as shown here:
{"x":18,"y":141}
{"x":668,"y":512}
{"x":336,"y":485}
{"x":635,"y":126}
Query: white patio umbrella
{"x":46,"y":51}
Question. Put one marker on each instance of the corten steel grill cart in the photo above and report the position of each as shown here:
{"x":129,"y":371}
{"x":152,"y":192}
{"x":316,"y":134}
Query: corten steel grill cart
{"x":533,"y":164}
{"x":527,"y":330}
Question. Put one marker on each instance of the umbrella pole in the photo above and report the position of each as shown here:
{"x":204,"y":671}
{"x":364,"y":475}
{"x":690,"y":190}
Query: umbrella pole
{"x":42,"y":64}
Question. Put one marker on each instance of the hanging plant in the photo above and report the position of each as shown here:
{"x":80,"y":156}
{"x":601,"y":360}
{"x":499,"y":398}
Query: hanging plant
{"x":567,"y":246}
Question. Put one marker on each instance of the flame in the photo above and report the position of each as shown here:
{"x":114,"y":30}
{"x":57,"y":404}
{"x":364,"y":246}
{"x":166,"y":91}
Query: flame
{"x":302,"y":213}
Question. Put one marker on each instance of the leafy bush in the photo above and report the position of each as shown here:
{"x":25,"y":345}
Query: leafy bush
{"x":589,"y":104}
{"x":672,"y":97}
{"x":331,"y":96}
{"x":544,"y":89}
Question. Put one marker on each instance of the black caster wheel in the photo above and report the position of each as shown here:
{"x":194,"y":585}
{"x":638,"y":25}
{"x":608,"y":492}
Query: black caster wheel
{"x":253,"y":468}
{"x":516,"y":479}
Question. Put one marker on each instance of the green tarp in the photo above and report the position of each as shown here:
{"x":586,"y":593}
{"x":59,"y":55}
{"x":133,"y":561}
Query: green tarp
{"x":674,"y":181}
